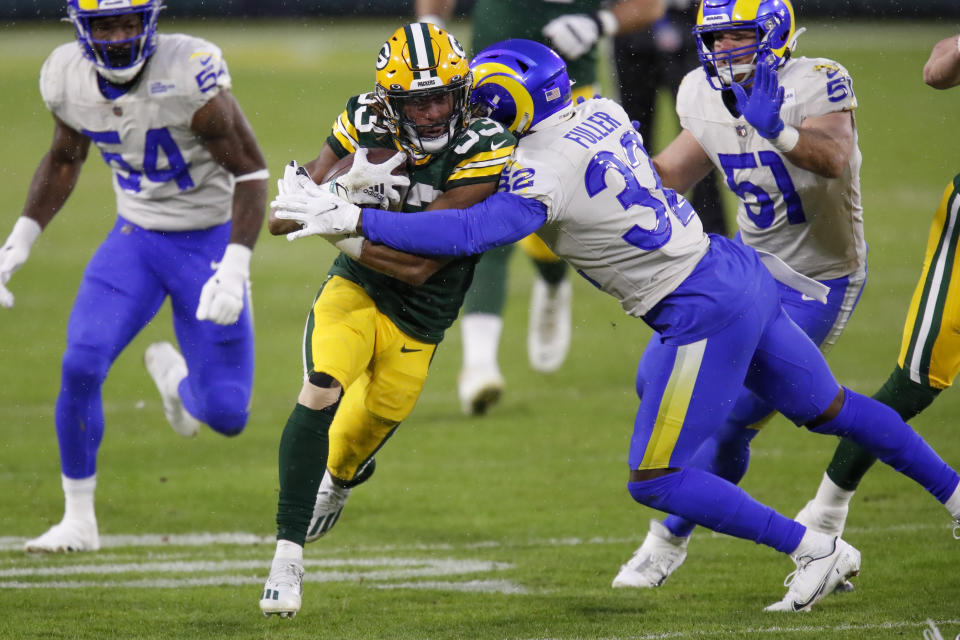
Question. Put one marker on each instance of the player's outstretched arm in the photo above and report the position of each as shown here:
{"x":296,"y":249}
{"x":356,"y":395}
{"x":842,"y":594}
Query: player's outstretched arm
{"x":230,"y":139}
{"x":942,"y":70}
{"x":53,"y":182}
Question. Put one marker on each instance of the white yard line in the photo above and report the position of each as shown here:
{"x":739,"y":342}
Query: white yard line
{"x":203,"y":539}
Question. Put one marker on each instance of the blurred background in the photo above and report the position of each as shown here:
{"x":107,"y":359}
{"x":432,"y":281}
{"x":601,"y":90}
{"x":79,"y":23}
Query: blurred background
{"x":33,"y":9}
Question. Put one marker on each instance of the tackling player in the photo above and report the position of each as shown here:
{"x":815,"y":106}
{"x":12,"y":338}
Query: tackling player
{"x":191,"y":191}
{"x":781,"y":129}
{"x":573,"y":28}
{"x":374,"y":328}
{"x":930,"y":347}
{"x":582,"y":180}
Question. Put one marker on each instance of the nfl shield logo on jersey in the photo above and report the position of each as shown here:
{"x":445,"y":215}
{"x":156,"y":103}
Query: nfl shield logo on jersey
{"x":741,"y":131}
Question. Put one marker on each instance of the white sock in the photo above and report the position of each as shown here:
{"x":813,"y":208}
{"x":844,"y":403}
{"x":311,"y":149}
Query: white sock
{"x":830,"y":495}
{"x":289,"y":551}
{"x":953,"y":503}
{"x":481,"y":339}
{"x":814,"y":544}
{"x":78,"y":498}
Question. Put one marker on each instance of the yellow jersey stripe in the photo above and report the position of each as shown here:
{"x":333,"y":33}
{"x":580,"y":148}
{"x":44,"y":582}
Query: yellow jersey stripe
{"x":673,"y":406}
{"x":346,"y":133}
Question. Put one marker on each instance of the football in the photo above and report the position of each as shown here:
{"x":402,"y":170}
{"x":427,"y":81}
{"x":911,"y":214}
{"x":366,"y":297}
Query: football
{"x":375,"y":155}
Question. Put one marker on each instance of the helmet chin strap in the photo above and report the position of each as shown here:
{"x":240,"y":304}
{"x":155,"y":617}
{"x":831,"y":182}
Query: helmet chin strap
{"x":792,"y":45}
{"x":121,"y":76}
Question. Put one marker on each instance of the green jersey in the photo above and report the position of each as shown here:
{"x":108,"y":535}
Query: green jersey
{"x":477,"y":156}
{"x":496,"y":20}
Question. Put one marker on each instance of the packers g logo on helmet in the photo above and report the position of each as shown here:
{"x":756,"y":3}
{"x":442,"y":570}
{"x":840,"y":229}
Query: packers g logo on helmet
{"x":121,"y":60}
{"x":771,"y":20}
{"x":423,"y":87}
{"x":519,"y":83}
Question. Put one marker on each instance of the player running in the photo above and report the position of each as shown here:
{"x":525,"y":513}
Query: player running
{"x":191,"y":193}
{"x":376,"y":323}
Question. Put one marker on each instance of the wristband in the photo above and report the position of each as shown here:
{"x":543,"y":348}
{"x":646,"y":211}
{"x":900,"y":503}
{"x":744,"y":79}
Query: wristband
{"x":262,"y":174}
{"x":607,"y":23}
{"x":787,"y":140}
{"x":25,"y":232}
{"x":350,"y":246}
{"x":236,"y":257}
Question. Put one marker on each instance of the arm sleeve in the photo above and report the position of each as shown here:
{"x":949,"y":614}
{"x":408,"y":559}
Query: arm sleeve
{"x":500,"y":219}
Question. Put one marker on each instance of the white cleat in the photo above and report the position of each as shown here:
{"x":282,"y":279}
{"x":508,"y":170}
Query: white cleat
{"x":283,"y":591}
{"x":331,"y":499}
{"x":548,"y":334}
{"x":815,"y":578}
{"x":167,"y":368}
{"x":828,"y":520}
{"x":68,"y":535}
{"x":660,"y":555}
{"x":479,"y":389}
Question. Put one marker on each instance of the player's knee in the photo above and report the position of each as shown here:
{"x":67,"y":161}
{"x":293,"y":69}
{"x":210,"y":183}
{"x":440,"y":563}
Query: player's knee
{"x":650,"y":487}
{"x":320,"y":392}
{"x":84,"y":368}
{"x":226,"y":409}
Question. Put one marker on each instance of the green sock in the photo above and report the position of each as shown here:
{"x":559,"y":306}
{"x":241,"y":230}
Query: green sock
{"x":303,"y":459}
{"x":851,"y":461}
{"x":552,"y":272}
{"x":488,"y":291}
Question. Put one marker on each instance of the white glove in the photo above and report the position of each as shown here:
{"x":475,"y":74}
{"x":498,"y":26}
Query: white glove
{"x":574,"y":34}
{"x":320,"y":213}
{"x":221,"y":299}
{"x":15,"y":252}
{"x":374,"y":185}
{"x":295,"y":180}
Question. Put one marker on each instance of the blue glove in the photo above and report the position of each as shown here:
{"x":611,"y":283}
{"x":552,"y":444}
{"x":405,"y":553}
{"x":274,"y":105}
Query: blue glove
{"x":762,"y":107}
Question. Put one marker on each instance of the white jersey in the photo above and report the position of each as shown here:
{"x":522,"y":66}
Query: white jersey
{"x":812,"y":223}
{"x":163,"y":176}
{"x":607,"y":213}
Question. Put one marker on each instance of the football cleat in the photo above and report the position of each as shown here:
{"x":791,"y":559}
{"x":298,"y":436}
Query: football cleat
{"x":829,"y":520}
{"x":660,"y":555}
{"x":167,"y":368}
{"x":479,"y":389}
{"x":283,"y":591}
{"x":328,"y":507}
{"x":548,"y":335}
{"x":956,"y":528}
{"x":815,"y":578}
{"x":68,"y":535}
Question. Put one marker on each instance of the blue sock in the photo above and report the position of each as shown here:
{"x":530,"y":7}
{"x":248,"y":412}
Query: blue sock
{"x":880,"y":430}
{"x":79,"y":412}
{"x":720,"y":505}
{"x":725,"y":454}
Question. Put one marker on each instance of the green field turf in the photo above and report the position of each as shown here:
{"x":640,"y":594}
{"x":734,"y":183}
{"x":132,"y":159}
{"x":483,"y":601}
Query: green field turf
{"x":510,"y":526}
